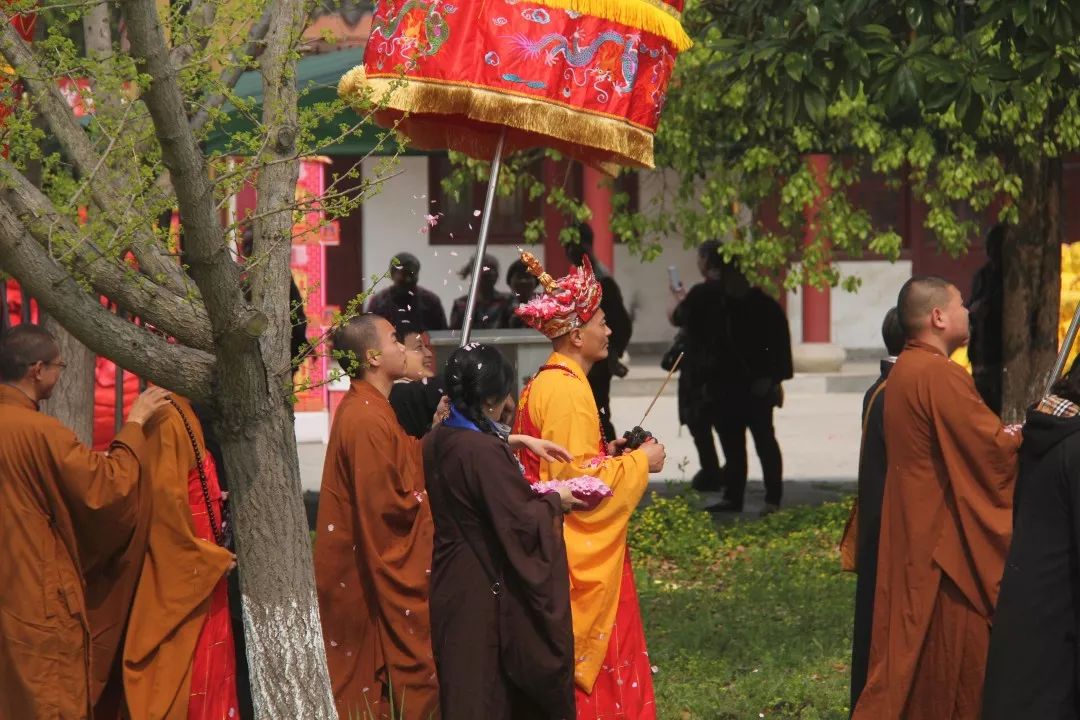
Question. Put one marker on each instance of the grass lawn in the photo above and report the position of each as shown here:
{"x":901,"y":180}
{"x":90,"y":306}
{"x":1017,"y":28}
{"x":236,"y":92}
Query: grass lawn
{"x":751,"y":620}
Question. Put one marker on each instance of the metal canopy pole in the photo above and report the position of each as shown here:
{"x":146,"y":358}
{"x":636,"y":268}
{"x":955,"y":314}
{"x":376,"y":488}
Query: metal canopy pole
{"x":481,"y":243}
{"x":1063,"y":353}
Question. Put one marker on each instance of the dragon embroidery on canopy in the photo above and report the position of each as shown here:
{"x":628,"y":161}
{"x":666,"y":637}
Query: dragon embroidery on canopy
{"x":423,"y":28}
{"x":609,"y":54}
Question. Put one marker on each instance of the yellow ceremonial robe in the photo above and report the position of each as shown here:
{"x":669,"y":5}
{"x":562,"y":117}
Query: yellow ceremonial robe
{"x":559,"y":406}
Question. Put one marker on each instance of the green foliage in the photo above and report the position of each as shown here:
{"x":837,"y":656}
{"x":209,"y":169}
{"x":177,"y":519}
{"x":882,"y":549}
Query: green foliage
{"x":949,"y":96}
{"x":671,"y":530}
{"x":753,"y":621}
{"x":210,"y":50}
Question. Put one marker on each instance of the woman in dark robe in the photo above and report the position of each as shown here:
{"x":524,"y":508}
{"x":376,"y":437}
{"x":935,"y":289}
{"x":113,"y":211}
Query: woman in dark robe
{"x":500,"y":596}
{"x":1033,"y":665}
{"x":416,"y":397}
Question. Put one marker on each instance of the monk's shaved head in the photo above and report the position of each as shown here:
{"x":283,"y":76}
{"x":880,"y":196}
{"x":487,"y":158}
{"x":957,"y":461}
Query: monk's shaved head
{"x":21,"y":347}
{"x":917,"y":300}
{"x":355,"y":341}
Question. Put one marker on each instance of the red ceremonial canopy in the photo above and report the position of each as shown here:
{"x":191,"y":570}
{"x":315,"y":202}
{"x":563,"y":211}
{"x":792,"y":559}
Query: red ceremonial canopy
{"x":587,"y":77}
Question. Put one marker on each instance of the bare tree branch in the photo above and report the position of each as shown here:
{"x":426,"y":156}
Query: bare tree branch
{"x":183,"y":369}
{"x":186,"y":320}
{"x":204,"y":240}
{"x":201,"y":15}
{"x":235,"y":67}
{"x":77,"y":146}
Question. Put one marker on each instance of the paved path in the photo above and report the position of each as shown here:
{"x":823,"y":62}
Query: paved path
{"x":818,"y":434}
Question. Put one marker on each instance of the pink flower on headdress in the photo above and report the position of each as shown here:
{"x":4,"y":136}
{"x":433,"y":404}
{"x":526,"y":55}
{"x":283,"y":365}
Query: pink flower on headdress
{"x":571,"y":303}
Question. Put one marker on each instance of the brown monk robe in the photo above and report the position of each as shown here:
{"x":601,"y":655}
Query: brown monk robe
{"x":373,"y":542}
{"x":178,"y":576}
{"x":72,"y":526}
{"x":945,"y":524}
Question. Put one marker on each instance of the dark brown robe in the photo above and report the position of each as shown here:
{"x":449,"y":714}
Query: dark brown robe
{"x":946,"y":520}
{"x":491,"y":527}
{"x":373,"y":543}
{"x":73,"y":527}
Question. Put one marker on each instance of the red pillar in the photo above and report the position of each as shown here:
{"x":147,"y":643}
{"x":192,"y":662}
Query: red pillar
{"x":816,"y":317}
{"x":597,"y":191}
{"x":555,"y":261}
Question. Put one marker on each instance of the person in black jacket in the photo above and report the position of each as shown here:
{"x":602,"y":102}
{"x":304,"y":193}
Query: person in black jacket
{"x":618,"y":319}
{"x":872,"y":469}
{"x":987,"y":306}
{"x":740,"y":339}
{"x":1033,"y":669}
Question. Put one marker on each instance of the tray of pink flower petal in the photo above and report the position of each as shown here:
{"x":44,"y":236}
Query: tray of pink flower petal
{"x":587,"y":489}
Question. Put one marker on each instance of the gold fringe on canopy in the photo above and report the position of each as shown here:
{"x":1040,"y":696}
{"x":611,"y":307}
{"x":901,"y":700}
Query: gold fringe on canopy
{"x":466,"y":118}
{"x":652,"y":16}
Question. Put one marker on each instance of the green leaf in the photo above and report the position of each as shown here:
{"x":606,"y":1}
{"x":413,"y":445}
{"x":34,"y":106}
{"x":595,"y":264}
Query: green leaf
{"x":909,"y":90}
{"x":813,"y":17}
{"x":795,"y":65}
{"x":963,"y":101}
{"x":943,"y":19}
{"x":914,"y":14}
{"x":939,"y":96}
{"x":791,"y":105}
{"x":973,"y":116}
{"x":1020,"y":14}
{"x":816,"y":105}
{"x":879,"y":30}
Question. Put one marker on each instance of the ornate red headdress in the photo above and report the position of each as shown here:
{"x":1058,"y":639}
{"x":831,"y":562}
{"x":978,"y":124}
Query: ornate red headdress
{"x":567,"y":303}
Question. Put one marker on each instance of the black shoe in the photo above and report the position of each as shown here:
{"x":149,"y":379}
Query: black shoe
{"x":708,"y":482}
{"x":724,"y":506}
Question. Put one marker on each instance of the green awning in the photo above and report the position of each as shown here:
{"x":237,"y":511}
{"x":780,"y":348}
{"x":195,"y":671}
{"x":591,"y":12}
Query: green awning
{"x":317,"y":80}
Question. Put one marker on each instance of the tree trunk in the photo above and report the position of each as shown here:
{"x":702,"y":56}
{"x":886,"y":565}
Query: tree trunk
{"x":72,"y":401}
{"x":289,"y":677}
{"x":1032,"y":259}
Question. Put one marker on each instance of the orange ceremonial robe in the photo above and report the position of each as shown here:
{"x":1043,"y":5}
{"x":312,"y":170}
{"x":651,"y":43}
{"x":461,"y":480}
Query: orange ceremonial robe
{"x":373,"y":545}
{"x":946,"y":522}
{"x":73,"y":526}
{"x":612,"y":669}
{"x":179,"y":575}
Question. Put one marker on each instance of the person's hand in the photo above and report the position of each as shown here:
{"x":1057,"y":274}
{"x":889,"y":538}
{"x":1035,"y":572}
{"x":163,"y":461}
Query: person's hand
{"x":442,"y":411}
{"x":543,"y":449}
{"x":679,"y":293}
{"x":152,"y":400}
{"x":615,"y":447}
{"x":568,"y":501}
{"x":656,"y":455}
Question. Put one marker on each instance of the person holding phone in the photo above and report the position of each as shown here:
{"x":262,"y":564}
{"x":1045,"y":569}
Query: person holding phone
{"x":740,"y":345}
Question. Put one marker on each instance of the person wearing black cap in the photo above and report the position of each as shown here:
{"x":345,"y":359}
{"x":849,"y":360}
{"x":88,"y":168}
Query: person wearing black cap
{"x":405,"y":300}
{"x":523,"y":285}
{"x":492,"y":308}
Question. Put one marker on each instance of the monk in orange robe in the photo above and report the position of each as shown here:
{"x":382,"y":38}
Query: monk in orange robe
{"x":946,"y":522}
{"x":179,"y":655}
{"x":72,"y":524}
{"x":374,"y":540}
{"x":612,"y":669}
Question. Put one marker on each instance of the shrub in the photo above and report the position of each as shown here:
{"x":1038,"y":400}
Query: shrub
{"x":670,"y":530}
